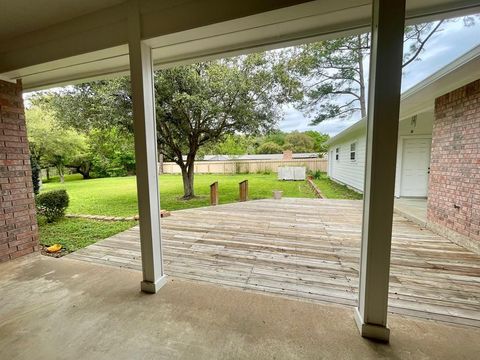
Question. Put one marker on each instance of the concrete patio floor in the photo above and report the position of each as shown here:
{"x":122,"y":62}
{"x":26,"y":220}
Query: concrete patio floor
{"x":68,"y":309}
{"x":413,"y":209}
{"x":307,"y":249}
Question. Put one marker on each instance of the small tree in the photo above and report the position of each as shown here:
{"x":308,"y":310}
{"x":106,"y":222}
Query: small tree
{"x":319,"y":141}
{"x":269,"y":147}
{"x":232,"y":144}
{"x":50,"y":144}
{"x":298,"y":142}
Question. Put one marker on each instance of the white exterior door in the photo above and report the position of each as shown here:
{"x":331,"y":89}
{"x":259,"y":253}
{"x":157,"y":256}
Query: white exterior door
{"x":415,"y":167}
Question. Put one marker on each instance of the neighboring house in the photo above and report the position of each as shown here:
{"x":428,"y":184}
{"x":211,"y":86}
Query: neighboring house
{"x":438,"y":152}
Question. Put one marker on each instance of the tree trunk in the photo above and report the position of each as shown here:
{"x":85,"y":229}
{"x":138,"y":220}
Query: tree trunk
{"x":61,"y":174}
{"x":84,"y":171}
{"x":188,"y":170}
{"x":187,"y":176}
{"x":48,"y":173}
{"x":160,"y":163}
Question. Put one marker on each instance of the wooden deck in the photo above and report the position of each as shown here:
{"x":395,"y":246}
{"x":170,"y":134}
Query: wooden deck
{"x":308,"y":249}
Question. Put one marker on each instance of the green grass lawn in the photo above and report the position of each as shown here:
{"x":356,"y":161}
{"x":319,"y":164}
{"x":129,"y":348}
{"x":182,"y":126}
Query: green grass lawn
{"x":74,"y":234}
{"x":332,"y":190}
{"x":118,"y":196}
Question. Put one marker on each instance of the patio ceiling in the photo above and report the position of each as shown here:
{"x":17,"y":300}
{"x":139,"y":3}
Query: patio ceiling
{"x":59,"y":43}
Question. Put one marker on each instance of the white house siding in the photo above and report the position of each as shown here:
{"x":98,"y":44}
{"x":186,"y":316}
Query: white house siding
{"x":351,"y":173}
{"x":344,"y":170}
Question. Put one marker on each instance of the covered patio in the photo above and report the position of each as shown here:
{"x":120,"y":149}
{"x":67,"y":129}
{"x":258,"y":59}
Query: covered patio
{"x":100,"y":310}
{"x":68,"y":309}
{"x":307,"y":249}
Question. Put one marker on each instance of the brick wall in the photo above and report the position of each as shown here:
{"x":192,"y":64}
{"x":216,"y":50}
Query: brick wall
{"x":18,"y":224}
{"x":454,"y":189}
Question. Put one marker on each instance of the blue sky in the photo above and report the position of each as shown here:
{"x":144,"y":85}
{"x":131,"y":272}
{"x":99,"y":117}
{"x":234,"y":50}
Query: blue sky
{"x":445,"y":46}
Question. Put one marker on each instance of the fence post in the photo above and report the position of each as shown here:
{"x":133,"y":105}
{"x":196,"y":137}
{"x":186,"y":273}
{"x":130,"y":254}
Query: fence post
{"x":243,"y":190}
{"x":214,"y":194}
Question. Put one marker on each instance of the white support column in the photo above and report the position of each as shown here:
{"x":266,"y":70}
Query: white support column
{"x":382,"y":133}
{"x":141,"y":75}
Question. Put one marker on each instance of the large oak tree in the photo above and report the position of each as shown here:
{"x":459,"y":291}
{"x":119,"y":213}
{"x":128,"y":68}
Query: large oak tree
{"x":196,"y":104}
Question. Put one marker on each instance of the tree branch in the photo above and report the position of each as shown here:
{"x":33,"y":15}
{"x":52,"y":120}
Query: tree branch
{"x":422,"y":44}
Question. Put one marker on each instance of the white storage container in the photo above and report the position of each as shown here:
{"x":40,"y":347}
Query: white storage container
{"x":292,"y":173}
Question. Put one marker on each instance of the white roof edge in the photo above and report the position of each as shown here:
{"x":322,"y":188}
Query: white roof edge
{"x":428,"y":81}
{"x":447,"y":69}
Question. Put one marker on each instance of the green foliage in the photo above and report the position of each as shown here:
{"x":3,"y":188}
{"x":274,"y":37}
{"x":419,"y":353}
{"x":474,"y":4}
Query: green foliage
{"x":35,"y":174}
{"x":231,"y":144}
{"x":316,"y":174}
{"x":277,"y":137}
{"x":269,"y":147}
{"x":112,"y":152}
{"x":51,"y":144}
{"x":196,"y":104}
{"x":52,"y":204}
{"x":332,"y":74}
{"x":298,"y":142}
{"x":333,"y":190}
{"x":319,"y":141}
{"x":277,"y":141}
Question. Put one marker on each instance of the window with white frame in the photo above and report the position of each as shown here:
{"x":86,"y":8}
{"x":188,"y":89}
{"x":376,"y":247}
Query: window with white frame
{"x":353,"y":152}
{"x":337,"y":154}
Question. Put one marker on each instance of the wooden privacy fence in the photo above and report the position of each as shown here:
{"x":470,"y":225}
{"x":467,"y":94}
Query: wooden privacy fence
{"x":246,"y":166}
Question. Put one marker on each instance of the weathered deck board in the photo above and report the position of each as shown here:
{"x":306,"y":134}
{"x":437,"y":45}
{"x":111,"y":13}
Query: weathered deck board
{"x":309,"y":249}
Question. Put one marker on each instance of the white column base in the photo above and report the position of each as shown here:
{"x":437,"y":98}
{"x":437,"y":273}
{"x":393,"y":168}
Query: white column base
{"x":371,"y":331}
{"x":153,"y":287}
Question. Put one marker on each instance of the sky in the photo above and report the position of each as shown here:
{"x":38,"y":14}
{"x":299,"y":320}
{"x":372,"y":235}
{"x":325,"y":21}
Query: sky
{"x":451,"y":42}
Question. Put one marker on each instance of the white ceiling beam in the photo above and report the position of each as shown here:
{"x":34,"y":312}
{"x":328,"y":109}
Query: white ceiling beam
{"x":108,"y":28}
{"x":95,"y":46}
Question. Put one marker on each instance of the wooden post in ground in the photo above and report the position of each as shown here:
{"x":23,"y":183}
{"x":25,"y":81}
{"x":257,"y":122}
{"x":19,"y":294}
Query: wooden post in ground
{"x":214,"y":194}
{"x":243,"y":190}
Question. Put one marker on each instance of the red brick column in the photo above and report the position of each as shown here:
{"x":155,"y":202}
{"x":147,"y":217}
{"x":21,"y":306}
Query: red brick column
{"x":454,"y":189}
{"x":18,"y":224}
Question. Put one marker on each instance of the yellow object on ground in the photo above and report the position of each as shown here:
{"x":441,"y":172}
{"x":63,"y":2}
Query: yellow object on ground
{"x":54,"y":248}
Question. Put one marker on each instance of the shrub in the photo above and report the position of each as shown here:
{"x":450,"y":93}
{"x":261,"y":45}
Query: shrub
{"x":35,"y":174}
{"x":52,"y":204}
{"x":317,"y":175}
